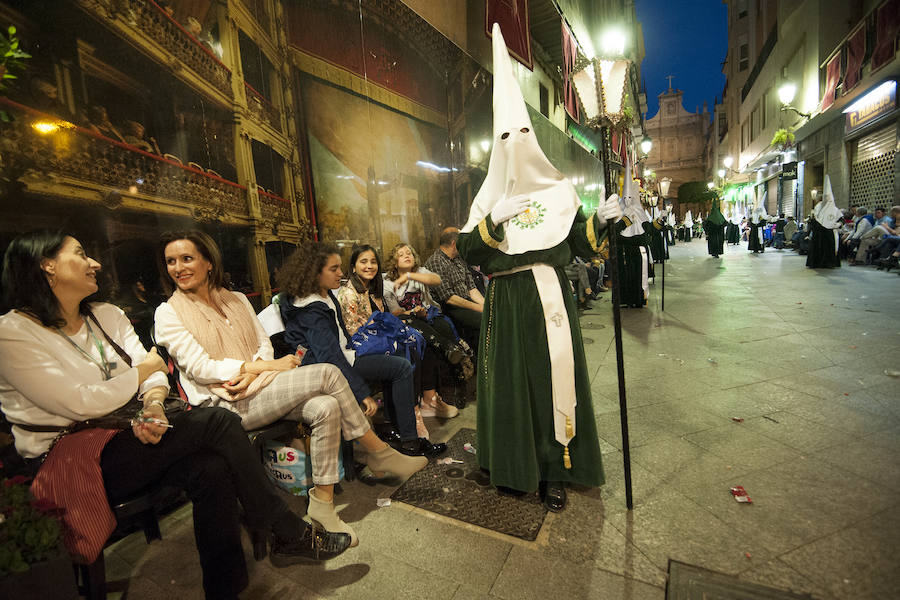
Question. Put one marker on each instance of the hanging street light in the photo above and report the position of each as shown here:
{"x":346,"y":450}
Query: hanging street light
{"x":646,"y":145}
{"x":786,"y":94}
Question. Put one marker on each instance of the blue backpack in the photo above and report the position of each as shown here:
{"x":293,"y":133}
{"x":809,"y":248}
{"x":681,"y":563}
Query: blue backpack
{"x":384,"y":333}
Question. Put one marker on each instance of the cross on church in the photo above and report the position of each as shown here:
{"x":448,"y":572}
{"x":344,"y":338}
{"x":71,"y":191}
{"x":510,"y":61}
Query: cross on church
{"x":670,"y":78}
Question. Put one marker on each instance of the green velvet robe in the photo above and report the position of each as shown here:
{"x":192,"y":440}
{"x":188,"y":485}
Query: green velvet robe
{"x":516,"y":439}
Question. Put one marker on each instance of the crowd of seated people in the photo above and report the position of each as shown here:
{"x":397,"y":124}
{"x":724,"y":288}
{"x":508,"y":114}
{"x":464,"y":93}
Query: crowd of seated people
{"x":67,"y":361}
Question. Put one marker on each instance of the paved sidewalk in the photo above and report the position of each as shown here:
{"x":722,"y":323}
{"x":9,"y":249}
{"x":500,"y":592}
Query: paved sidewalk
{"x":799,"y":355}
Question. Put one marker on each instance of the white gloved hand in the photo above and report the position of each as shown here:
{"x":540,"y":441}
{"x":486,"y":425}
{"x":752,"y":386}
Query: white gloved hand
{"x":609,"y":210}
{"x":508,"y":208}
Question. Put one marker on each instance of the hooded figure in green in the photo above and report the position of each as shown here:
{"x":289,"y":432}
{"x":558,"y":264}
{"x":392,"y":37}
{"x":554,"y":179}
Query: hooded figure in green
{"x":536,"y":425}
{"x":714,"y":226}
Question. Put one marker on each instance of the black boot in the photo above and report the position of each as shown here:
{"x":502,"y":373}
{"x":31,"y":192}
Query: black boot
{"x":421,"y":447}
{"x":553,"y":493}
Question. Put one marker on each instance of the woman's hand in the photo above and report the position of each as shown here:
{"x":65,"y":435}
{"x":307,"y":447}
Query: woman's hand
{"x":370,"y":407}
{"x":151,"y":433}
{"x":402,"y":279}
{"x":150,"y":365}
{"x":285,"y":363}
{"x":239,"y":383}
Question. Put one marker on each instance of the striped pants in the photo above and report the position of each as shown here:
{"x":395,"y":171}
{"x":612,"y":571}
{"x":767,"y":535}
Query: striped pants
{"x":319,"y":396}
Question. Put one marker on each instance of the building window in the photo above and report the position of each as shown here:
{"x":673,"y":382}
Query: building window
{"x":744,"y":62}
{"x":764,"y":111}
{"x":754,"y":122}
{"x":670,"y":109}
{"x":545,"y":100}
{"x":742,"y":8}
{"x":744,"y":136}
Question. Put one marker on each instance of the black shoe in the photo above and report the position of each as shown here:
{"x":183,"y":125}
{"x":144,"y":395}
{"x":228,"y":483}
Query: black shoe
{"x":421,"y":447}
{"x":389,"y":435}
{"x":313,"y":545}
{"x":553,"y":494}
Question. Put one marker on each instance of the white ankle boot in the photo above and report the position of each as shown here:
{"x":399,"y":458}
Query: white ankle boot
{"x":324,"y":515}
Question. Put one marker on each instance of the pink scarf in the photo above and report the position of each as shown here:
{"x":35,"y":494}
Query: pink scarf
{"x":231,"y":336}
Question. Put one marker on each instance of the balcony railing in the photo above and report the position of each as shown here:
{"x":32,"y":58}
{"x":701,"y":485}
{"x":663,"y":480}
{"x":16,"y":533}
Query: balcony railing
{"x":156,"y":25}
{"x":66,"y":154}
{"x":261,"y":108}
{"x":275,"y":207}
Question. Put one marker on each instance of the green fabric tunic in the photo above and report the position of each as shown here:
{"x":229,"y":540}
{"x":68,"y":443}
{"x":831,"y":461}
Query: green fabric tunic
{"x":631,"y":265}
{"x":516,"y":439}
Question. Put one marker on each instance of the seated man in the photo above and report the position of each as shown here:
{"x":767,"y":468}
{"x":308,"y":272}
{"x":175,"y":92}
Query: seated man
{"x":457,"y":293}
{"x":790,"y":229}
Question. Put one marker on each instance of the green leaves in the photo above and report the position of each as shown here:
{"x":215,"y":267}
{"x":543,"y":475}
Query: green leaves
{"x":12,"y":58}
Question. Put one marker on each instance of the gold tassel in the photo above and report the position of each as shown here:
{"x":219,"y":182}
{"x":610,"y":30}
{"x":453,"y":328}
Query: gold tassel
{"x":570,"y":431}
{"x":567,"y":461}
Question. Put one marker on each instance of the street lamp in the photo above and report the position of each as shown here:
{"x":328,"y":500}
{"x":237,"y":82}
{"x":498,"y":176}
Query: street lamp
{"x":710,"y":185}
{"x":721,"y":173}
{"x":728,"y":161}
{"x":664,"y":184}
{"x":646,"y":145}
{"x":786,"y":94}
{"x":600,"y":83}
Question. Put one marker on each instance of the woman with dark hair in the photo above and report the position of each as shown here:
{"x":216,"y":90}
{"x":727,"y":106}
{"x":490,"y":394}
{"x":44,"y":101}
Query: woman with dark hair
{"x":359,"y":298}
{"x":225,"y":359}
{"x":313,"y":321}
{"x":63,"y":361}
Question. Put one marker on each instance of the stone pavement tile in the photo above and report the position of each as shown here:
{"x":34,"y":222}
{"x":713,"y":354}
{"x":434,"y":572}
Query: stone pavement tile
{"x":464,"y":592}
{"x":641,"y":430}
{"x":867,"y":459}
{"x":814,"y":385}
{"x":797,"y":432}
{"x":645,"y":486}
{"x":775,"y":573}
{"x":581,"y":536}
{"x":743,"y":448}
{"x":797,"y":502}
{"x":672,"y":526}
{"x":147,"y":589}
{"x":531,"y":575}
{"x":678,"y":417}
{"x":364,"y":573}
{"x":684,"y":467}
{"x":269,"y":583}
{"x":841,"y":413}
{"x":426,"y":544}
{"x":859,"y":561}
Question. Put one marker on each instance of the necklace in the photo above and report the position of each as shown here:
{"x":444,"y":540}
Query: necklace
{"x":103,"y":364}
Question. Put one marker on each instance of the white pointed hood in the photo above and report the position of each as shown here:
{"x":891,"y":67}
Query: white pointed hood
{"x":826,"y":212}
{"x":518,"y":167}
{"x":759,"y":212}
{"x":631,"y":206}
{"x":688,"y":219}
{"x":670,"y":219}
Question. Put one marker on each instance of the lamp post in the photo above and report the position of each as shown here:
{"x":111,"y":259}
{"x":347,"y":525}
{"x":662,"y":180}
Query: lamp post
{"x":600,"y":84}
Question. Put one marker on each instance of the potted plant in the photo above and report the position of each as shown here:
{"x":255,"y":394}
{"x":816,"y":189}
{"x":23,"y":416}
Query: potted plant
{"x":33,"y":562}
{"x":783,"y":139}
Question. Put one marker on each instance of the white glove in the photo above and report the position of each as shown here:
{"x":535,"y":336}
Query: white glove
{"x":508,"y":208}
{"x":609,"y":210}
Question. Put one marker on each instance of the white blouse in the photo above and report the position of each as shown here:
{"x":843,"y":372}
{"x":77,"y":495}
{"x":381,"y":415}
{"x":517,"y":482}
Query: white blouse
{"x":196,"y":368}
{"x":44,"y":380}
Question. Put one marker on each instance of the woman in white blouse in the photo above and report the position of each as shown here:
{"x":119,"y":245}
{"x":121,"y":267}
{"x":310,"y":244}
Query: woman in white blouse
{"x":225,"y":359}
{"x":64,"y":360}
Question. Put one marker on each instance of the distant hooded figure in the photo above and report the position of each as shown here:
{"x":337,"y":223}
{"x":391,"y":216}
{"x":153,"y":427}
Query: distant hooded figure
{"x":823,"y":232}
{"x":687,"y":226}
{"x":670,"y":228}
{"x":633,"y":248}
{"x":757,"y":221}
{"x":659,"y":245}
{"x":733,"y":227}
{"x":714,"y":227}
{"x":536,"y":427}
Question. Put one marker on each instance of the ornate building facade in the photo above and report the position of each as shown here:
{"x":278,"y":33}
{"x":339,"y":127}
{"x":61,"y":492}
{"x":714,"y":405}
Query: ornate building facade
{"x":679,"y":141}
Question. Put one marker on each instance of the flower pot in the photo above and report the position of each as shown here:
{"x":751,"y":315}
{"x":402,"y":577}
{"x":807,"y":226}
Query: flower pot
{"x":53,"y":578}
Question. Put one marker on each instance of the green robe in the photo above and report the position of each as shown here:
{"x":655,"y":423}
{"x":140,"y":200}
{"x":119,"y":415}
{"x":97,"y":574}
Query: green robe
{"x":516,"y":438}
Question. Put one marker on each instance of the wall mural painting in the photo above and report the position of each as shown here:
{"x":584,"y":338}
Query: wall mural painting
{"x":380,"y":177}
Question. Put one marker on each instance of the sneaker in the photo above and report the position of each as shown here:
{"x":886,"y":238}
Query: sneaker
{"x":314,"y":545}
{"x":438,"y":408}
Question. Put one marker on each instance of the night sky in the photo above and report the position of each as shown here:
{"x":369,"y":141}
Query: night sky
{"x":687,"y":39}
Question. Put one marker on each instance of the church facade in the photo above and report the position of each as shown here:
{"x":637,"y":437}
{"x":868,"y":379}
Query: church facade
{"x":679,"y":141}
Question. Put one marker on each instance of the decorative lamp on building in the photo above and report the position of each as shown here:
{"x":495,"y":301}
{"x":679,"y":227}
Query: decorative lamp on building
{"x":786,"y":94}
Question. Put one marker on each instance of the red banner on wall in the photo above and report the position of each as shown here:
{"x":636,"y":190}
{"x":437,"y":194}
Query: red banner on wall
{"x":570,"y":55}
{"x":888,"y":27}
{"x":856,"y":50}
{"x":832,"y":76}
{"x":512,"y":16}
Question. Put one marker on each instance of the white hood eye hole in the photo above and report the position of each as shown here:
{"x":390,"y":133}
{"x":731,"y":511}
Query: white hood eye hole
{"x":524,"y":130}
{"x":504,"y":136}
